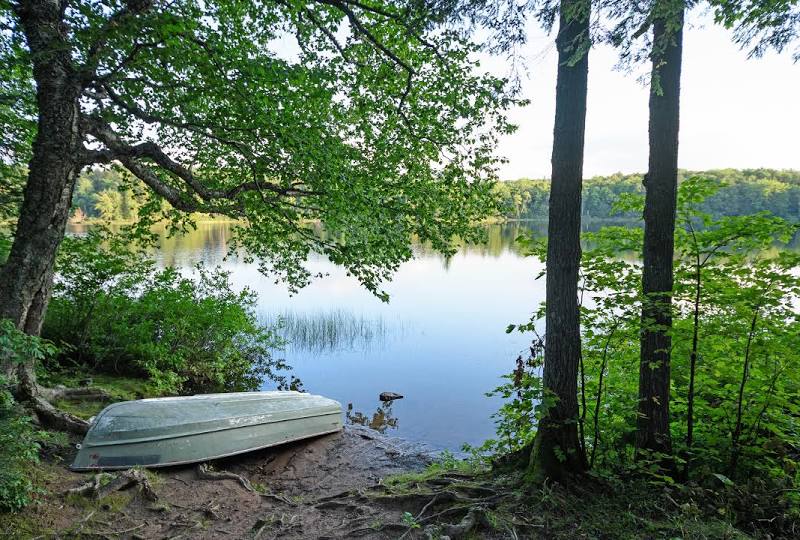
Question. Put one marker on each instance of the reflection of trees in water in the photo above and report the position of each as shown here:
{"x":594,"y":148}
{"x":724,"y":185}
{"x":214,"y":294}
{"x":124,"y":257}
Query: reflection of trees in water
{"x":293,"y":383}
{"x":382,"y":419}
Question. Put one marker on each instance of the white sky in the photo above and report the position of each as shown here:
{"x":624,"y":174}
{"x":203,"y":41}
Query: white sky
{"x":735,"y":112}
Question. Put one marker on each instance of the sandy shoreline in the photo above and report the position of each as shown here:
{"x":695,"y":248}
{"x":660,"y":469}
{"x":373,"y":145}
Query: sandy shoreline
{"x":289,"y":482}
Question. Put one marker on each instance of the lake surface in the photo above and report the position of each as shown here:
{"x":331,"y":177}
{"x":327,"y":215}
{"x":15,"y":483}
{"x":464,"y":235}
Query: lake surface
{"x":440,"y":341}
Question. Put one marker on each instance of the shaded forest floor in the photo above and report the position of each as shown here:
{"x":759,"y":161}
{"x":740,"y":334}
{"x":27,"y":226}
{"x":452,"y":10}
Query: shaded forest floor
{"x":359,"y":484}
{"x":355,"y":485}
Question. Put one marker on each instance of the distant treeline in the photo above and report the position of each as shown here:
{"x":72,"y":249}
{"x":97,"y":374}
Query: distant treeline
{"x":109,"y":195}
{"x":746,"y":191}
{"x":106,"y":194}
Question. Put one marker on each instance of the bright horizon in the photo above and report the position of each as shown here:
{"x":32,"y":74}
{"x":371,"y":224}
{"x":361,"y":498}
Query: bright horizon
{"x":735,"y":112}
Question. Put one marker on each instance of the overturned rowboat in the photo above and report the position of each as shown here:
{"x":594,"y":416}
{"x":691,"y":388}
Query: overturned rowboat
{"x":173,"y":431}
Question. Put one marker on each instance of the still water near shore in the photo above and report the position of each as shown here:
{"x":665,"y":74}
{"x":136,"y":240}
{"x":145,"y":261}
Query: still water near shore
{"x":440,"y":340}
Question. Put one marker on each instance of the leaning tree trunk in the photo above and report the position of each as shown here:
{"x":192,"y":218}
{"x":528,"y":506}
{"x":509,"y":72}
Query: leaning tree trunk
{"x":661,"y":187}
{"x":557,"y":449}
{"x":26,"y":278}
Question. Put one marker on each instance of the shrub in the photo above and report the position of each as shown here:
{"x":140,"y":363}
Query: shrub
{"x":18,"y":450}
{"x":734,"y":313}
{"x":114,"y":311}
{"x":18,"y":440}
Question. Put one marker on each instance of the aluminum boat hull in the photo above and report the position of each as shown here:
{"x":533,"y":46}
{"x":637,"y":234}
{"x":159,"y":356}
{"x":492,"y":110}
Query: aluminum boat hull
{"x":173,"y":431}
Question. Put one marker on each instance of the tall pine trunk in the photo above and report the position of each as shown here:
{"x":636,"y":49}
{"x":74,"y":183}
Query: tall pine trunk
{"x":661,"y":188}
{"x":558,"y":450}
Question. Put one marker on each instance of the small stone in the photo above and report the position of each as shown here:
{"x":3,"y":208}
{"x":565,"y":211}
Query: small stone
{"x":389,"y":396}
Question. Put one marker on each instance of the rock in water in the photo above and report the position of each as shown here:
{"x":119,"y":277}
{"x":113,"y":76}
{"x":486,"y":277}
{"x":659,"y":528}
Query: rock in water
{"x":389,"y":396}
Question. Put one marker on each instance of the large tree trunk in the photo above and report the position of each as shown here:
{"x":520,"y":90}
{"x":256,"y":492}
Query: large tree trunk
{"x":26,"y":278}
{"x":661,"y":187}
{"x":558,"y":450}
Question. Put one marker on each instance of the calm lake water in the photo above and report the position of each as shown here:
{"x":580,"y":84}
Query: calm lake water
{"x":440,"y":340}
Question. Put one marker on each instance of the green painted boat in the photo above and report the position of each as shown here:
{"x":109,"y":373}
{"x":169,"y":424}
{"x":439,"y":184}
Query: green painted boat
{"x":172,"y":431}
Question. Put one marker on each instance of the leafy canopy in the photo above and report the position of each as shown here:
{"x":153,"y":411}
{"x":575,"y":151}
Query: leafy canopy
{"x":371,"y":117}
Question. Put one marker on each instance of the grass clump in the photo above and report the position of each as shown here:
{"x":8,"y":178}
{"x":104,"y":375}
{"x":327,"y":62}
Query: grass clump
{"x":327,"y":331}
{"x":446,"y":464}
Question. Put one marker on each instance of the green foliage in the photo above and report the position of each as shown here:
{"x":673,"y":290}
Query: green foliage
{"x":18,"y":451}
{"x":372,"y":118}
{"x":108,"y":194}
{"x":523,"y":404}
{"x":730,"y":272}
{"x":409,"y":521}
{"x":746,"y":377}
{"x":18,"y":439}
{"x":115,"y":312}
{"x":19,"y":347}
{"x":762,"y":24}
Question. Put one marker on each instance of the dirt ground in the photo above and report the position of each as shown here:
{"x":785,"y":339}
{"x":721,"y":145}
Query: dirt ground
{"x":294,"y":496}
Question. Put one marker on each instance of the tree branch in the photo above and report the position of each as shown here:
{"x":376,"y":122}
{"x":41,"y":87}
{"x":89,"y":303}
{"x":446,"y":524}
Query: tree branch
{"x":130,"y":156}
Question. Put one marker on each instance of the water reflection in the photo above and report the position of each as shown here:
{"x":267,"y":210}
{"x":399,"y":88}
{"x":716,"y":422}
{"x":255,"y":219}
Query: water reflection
{"x":382,"y":419}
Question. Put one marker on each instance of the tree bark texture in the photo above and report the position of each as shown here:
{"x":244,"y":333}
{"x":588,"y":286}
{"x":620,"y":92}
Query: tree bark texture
{"x":557,"y":449}
{"x":26,"y":279}
{"x":661,"y":186}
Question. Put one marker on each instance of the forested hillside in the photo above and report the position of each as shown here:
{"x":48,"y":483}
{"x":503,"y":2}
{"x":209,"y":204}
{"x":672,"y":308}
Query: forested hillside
{"x":745,"y":192}
{"x":108,"y":195}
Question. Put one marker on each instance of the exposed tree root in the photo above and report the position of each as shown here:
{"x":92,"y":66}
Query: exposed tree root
{"x":475,"y":516}
{"x":98,"y":488}
{"x":204,"y":474}
{"x":383,"y":527}
{"x":280,"y":525}
{"x":56,"y":418}
{"x":40,"y":400}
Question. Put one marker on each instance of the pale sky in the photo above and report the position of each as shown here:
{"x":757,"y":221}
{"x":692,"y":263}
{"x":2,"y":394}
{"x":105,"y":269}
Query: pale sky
{"x":735,"y":112}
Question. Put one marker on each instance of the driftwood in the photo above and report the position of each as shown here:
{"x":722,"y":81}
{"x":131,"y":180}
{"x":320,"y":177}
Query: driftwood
{"x":98,"y":489}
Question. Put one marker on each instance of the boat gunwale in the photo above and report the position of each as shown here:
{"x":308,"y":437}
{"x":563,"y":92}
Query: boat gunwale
{"x":285,"y":393}
{"x":218,"y":456}
{"x":202,"y":432}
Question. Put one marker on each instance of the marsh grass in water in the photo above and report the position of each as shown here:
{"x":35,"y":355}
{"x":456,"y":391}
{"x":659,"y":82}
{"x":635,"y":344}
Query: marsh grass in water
{"x":331,"y":330}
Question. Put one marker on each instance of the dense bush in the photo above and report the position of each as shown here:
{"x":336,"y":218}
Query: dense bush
{"x":18,"y":439}
{"x":114,"y":311}
{"x":735,"y":356}
{"x":18,"y":450}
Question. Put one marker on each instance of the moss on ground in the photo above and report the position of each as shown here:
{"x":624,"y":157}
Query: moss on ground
{"x":630,"y":509}
{"x":119,"y":388}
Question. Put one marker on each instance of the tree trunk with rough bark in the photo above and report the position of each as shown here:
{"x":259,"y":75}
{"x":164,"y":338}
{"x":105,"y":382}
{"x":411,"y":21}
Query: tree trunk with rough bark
{"x":661,"y":185}
{"x":557,"y":450}
{"x":26,"y":278}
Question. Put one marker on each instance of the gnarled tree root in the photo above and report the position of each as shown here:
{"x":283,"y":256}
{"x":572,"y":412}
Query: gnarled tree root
{"x":56,"y":418}
{"x":475,"y":517}
{"x":204,"y":474}
{"x":40,"y":400}
{"x":98,"y":488}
